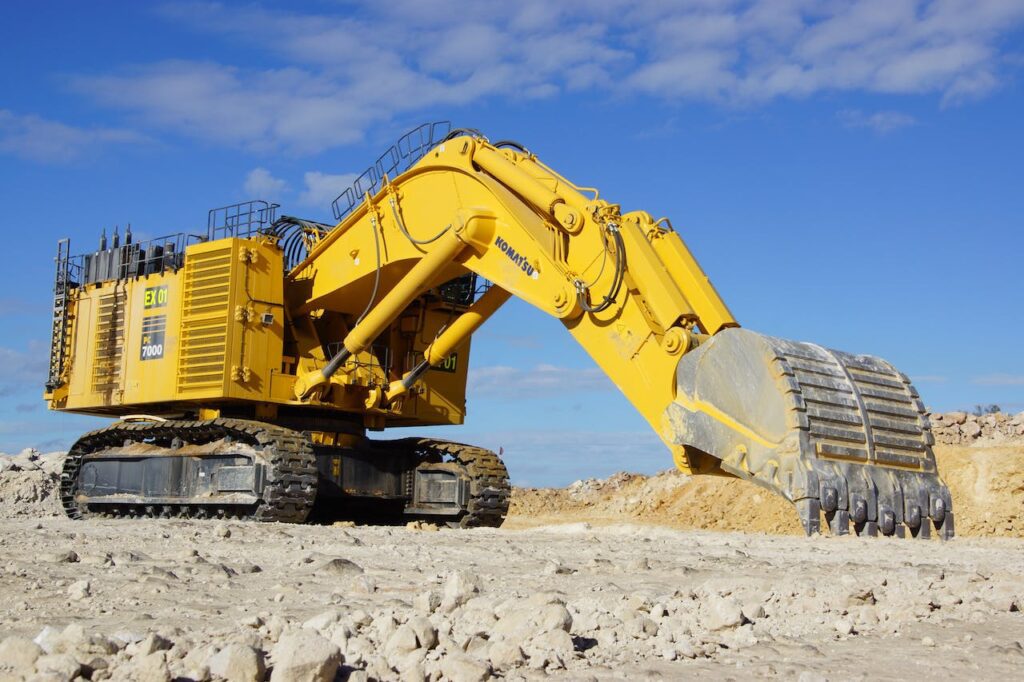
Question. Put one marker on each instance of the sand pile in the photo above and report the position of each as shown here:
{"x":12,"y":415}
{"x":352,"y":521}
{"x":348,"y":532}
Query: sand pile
{"x":980,"y":457}
{"x":668,"y":498}
{"x":986,"y":482}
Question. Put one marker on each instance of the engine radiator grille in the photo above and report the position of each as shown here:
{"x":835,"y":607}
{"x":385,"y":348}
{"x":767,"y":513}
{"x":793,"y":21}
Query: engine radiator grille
{"x":204,"y":320}
{"x":109,"y":343}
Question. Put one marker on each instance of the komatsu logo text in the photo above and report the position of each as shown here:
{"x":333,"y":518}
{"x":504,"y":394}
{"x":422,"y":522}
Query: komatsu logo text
{"x":517,"y":258}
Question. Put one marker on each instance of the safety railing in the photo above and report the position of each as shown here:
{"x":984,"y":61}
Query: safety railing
{"x":240,"y":220}
{"x":398,"y":158}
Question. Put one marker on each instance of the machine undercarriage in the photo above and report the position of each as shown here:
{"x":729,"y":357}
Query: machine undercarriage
{"x":233,"y":468}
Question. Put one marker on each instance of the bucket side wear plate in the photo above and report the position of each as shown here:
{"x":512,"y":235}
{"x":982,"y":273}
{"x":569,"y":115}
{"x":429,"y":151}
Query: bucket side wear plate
{"x":831,"y":432}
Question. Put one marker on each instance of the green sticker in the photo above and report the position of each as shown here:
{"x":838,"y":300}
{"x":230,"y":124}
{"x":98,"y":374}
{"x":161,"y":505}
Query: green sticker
{"x":450,"y":364}
{"x":155,"y":297}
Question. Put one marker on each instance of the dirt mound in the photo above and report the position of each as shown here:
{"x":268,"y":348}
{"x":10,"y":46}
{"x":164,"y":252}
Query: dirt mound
{"x":669,"y":498}
{"x":29,"y":484}
{"x":986,"y":482}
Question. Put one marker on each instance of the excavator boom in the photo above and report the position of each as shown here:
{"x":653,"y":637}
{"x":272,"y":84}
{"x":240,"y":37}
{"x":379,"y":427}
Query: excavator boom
{"x":839,"y":434}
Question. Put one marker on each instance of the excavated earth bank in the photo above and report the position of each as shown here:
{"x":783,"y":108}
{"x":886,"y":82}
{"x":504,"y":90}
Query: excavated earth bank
{"x":986,"y":481}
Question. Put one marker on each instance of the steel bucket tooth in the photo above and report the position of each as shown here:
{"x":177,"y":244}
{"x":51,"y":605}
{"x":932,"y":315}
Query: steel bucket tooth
{"x":834,"y":433}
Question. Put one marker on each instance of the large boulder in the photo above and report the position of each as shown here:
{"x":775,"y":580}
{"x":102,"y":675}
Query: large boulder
{"x":459,"y":588}
{"x":19,"y":655}
{"x":304,"y":656}
{"x":238,"y":663}
{"x":459,"y":667}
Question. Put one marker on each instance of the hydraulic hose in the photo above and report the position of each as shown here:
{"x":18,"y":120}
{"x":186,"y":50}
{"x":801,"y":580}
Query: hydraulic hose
{"x":376,"y":275}
{"x":618,"y":277}
{"x":401,"y":226}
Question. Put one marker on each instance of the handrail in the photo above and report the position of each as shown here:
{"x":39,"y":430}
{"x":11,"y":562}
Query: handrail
{"x":241,"y":219}
{"x":396,"y":159}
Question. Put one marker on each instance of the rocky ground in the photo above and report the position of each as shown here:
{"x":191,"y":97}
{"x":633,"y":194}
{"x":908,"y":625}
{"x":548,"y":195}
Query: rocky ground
{"x":962,"y":428}
{"x":604,"y":594}
{"x":155,"y":600}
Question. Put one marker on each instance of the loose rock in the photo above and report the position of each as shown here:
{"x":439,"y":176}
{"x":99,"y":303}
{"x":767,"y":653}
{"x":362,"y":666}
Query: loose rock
{"x":238,"y":662}
{"x":462,"y":668}
{"x":304,"y":656}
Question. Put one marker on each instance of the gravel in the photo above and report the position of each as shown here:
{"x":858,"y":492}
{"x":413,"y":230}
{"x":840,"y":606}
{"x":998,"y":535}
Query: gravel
{"x":181,"y":599}
{"x":167,"y":599}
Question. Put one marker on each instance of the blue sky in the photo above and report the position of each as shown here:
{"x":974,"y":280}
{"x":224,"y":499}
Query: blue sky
{"x":847,"y":172}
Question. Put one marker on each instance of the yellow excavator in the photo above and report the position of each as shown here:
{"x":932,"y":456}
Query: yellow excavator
{"x":246,"y":364}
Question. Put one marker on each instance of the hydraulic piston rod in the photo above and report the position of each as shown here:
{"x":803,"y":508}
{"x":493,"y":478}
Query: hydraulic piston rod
{"x":451,"y":338}
{"x":382,"y":314}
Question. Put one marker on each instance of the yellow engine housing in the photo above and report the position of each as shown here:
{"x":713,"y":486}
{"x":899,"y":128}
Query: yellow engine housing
{"x":212,"y":337}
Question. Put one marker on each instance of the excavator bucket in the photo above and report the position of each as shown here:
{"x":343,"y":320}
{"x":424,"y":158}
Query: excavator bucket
{"x":832,"y":432}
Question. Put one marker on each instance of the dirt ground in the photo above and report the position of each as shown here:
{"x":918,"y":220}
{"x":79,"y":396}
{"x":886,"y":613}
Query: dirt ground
{"x":606,"y":593}
{"x":571,"y":601}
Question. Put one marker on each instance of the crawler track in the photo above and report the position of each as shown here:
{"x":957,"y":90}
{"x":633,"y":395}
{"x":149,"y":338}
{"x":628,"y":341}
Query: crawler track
{"x":489,"y":489}
{"x":290,"y":468}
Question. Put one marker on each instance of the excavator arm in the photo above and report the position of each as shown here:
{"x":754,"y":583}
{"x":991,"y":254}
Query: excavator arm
{"x":839,"y":434}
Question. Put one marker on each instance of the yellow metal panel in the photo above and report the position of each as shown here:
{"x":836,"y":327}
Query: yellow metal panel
{"x":256,"y":317}
{"x":81,"y":349}
{"x":205,"y":319}
{"x":151,"y":337}
{"x":442,"y":396}
{"x":108,"y":344}
{"x":714,"y":315}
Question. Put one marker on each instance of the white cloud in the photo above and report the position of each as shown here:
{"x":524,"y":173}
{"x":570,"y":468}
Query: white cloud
{"x":24,"y":371}
{"x":881,"y":122}
{"x":260,"y":184}
{"x":323,"y":188}
{"x":38,"y":139}
{"x":262,"y":110}
{"x":319,"y":189}
{"x":343,"y":73}
{"x":970,"y":86}
{"x":999,"y":380}
{"x":540,"y":381}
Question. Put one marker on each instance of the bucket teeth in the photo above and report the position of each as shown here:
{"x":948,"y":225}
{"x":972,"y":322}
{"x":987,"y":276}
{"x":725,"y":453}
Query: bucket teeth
{"x":913,"y":517}
{"x":858,"y":509}
{"x":946,"y":528}
{"x":922,"y":531}
{"x":829,"y":499}
{"x":840,"y":434}
{"x":838,"y":522}
{"x":868,"y":529}
{"x":810,"y":514}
